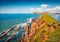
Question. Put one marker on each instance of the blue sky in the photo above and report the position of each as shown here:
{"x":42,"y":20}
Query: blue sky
{"x":26,"y":6}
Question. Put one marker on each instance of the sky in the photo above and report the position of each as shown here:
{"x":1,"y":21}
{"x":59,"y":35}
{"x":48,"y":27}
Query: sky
{"x":29,"y":6}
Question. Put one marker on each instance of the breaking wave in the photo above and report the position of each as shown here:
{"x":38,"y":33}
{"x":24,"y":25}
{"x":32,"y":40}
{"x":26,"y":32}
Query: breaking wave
{"x":28,"y":21}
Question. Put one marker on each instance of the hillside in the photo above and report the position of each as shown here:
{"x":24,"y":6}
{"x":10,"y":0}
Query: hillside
{"x":43,"y":29}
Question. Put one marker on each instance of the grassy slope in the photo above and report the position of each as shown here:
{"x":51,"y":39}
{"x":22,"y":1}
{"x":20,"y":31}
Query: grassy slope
{"x":48,"y":19}
{"x":54,"y":37}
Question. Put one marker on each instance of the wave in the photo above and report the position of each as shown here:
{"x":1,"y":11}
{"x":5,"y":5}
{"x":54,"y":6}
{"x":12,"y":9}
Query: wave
{"x":21,"y":24}
{"x":28,"y":21}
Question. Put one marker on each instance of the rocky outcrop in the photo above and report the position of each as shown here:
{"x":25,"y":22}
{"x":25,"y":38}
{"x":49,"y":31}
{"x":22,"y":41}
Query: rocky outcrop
{"x":40,"y":29}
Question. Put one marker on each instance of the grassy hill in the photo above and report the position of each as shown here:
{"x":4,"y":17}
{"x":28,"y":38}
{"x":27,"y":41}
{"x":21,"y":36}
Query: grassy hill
{"x":49,"y":32}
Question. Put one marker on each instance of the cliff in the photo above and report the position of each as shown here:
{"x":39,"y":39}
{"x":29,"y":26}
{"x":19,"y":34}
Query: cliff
{"x":43,"y":29}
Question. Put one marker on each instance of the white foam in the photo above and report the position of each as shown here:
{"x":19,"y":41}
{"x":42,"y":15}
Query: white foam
{"x":8,"y":33}
{"x":23,"y":24}
{"x":30,"y":20}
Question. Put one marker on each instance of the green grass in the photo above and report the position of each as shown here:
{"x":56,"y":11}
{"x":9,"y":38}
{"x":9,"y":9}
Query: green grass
{"x":55,"y":36}
{"x":50,"y":19}
{"x":52,"y":37}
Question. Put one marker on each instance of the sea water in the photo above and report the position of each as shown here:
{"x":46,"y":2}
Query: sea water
{"x":8,"y":20}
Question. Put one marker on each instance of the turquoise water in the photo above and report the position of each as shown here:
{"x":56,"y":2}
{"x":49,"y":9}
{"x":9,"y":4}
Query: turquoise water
{"x":8,"y":20}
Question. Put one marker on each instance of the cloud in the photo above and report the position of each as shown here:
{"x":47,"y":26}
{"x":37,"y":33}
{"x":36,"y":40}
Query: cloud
{"x":46,"y":8}
{"x":42,"y":8}
{"x":57,"y":7}
{"x":15,"y":10}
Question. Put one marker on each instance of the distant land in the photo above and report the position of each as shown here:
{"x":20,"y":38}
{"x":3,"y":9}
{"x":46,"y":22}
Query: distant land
{"x":46,"y":12}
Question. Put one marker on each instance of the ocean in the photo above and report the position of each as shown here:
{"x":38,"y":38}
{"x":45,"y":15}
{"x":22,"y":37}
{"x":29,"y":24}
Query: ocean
{"x":8,"y":20}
